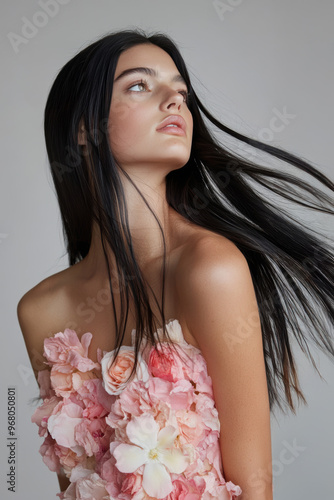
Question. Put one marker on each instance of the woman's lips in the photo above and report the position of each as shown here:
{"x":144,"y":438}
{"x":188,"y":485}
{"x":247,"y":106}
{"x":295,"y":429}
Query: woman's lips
{"x":172,"y":130}
{"x":177,"y":125}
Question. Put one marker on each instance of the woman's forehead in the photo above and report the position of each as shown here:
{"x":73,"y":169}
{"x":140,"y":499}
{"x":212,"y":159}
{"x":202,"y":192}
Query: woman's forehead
{"x":146,"y":55}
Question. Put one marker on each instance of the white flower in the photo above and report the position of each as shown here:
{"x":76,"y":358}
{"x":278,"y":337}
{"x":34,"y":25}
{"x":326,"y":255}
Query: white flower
{"x":153,"y":448}
{"x":174,"y":330}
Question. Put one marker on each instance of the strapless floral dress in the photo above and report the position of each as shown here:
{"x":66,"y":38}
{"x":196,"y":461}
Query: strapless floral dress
{"x":154,"y":437}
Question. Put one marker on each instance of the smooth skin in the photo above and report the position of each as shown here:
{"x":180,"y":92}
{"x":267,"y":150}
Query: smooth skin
{"x":208,"y":283}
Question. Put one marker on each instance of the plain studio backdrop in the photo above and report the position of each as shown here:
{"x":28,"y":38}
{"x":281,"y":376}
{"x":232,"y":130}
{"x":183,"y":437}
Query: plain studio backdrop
{"x":262,"y":67}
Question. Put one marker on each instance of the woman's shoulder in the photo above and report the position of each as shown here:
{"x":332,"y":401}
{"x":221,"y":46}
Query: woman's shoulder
{"x":207,"y":251}
{"x":209,"y":264}
{"x":37,"y":312}
{"x":35,"y":300}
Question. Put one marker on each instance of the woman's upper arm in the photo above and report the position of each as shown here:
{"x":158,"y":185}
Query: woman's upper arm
{"x":221,"y":312}
{"x":29,"y":314}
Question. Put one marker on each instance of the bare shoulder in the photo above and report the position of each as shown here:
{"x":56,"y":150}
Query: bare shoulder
{"x":215,"y":287}
{"x":36,"y":301}
{"x":210,"y":257}
{"x":37,"y":309}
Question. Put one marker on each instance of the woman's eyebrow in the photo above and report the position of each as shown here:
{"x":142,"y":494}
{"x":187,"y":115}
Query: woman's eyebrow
{"x":148,"y":71}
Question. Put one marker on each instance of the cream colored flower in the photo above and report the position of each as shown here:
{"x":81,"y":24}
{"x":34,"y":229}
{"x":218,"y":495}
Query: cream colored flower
{"x":153,"y":448}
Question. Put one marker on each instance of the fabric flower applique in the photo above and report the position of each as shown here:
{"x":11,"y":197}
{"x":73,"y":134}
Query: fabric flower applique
{"x":154,"y":436}
{"x":65,"y":352}
{"x":154,"y":448}
{"x":68,"y":358}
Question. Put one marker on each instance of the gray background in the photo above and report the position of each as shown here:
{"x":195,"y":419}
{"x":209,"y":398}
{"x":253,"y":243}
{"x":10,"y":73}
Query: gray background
{"x":251,"y":61}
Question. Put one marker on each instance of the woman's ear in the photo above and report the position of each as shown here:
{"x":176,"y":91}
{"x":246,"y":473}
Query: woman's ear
{"x":82,"y":137}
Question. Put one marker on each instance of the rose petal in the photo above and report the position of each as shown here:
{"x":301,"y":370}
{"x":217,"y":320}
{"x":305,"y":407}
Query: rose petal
{"x":85,"y":341}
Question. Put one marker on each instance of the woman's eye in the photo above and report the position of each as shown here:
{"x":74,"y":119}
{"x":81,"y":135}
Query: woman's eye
{"x":144,"y":86}
{"x":139,"y":84}
{"x":185,"y":94}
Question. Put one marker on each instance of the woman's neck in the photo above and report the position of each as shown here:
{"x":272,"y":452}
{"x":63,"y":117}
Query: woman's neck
{"x":144,"y":229}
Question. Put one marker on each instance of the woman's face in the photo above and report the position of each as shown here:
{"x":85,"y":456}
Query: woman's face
{"x":141,"y":100}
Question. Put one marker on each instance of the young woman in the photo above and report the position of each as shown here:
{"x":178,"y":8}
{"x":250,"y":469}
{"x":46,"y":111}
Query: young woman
{"x":189,"y":281}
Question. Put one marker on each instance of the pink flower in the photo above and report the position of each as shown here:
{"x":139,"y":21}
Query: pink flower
{"x":96,"y":400}
{"x":69,"y":460}
{"x":91,"y":486}
{"x":66,"y":383}
{"x":47,"y":450}
{"x":132,"y":483}
{"x":87,"y":485}
{"x":93,"y":435}
{"x":109,"y":472}
{"x":62,"y":425}
{"x":191,"y":427}
{"x":210,"y":450}
{"x":178,"y":395}
{"x":196,"y":370}
{"x":165,"y":365}
{"x":55,"y":457}
{"x":208,"y":412}
{"x":223,"y":491}
{"x":115,"y":377}
{"x":233,"y":489}
{"x":43,"y":412}
{"x":187,"y":489}
{"x":67,"y":353}
{"x":134,"y":401}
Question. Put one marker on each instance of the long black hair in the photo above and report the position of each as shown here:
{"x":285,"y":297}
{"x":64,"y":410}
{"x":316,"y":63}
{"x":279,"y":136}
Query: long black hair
{"x":218,"y":189}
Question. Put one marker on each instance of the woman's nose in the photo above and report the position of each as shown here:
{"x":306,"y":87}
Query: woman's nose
{"x":172,"y":98}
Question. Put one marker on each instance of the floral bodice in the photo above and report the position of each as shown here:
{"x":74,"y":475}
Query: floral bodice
{"x":154,"y":437}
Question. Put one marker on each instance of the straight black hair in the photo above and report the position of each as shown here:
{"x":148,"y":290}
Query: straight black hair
{"x":218,"y":189}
